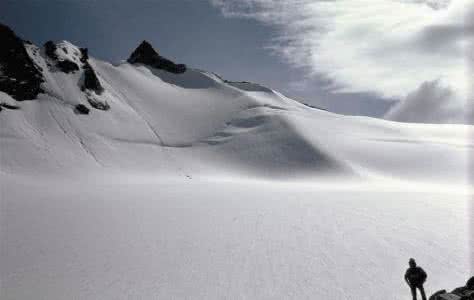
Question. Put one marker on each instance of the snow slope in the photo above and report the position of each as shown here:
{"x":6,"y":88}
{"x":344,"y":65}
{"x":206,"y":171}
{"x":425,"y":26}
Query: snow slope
{"x":194,"y":187}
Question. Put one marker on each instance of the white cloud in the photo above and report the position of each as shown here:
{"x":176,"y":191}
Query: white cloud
{"x":389,"y":47}
{"x":432,"y":102}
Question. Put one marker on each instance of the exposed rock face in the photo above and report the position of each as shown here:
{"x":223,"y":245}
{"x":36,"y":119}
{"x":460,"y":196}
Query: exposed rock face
{"x":145,"y":54}
{"x":19,"y":76}
{"x":81,"y":109}
{"x":91,"y":81}
{"x":470,"y":283}
{"x":84,"y":55}
{"x":67,"y":66}
{"x":461,"y":293}
{"x":73,"y":60}
{"x":50,"y":50}
{"x":101,"y":105}
{"x":91,"y":84}
{"x":64,"y":65}
{"x":9,"y":106}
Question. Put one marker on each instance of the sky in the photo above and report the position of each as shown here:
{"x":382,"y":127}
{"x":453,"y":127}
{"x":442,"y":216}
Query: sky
{"x":400,"y":59}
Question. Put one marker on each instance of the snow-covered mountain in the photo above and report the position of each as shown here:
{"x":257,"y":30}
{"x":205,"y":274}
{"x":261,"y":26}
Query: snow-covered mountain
{"x":136,"y":116}
{"x":153,"y":179}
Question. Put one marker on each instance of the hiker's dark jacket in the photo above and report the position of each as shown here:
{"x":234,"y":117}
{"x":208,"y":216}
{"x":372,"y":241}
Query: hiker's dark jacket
{"x":415,"y":276}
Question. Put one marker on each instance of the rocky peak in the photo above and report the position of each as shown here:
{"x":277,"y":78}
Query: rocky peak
{"x":64,"y":55}
{"x":19,"y":76}
{"x":144,"y":53}
{"x":147,"y":55}
{"x":69,"y":58}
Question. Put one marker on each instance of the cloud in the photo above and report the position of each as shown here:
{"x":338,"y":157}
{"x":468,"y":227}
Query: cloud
{"x":387,"y":47}
{"x":432,"y":102}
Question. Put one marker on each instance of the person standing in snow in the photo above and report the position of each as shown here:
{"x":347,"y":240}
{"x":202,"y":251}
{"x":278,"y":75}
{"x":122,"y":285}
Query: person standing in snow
{"x":415,"y":277}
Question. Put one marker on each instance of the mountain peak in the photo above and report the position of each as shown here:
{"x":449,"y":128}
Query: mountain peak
{"x":19,"y":76}
{"x":147,"y":55}
{"x":144,"y":49}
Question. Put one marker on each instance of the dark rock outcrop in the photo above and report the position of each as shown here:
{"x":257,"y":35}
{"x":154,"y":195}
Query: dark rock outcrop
{"x":436,"y":295}
{"x":84,"y":55}
{"x":50,"y":50}
{"x":146,"y":54}
{"x":81,"y":109}
{"x":65,"y":65}
{"x":9,"y":106}
{"x":470,"y":283}
{"x":101,"y":105}
{"x":19,"y":76}
{"x":461,"y":293}
{"x":91,"y":81}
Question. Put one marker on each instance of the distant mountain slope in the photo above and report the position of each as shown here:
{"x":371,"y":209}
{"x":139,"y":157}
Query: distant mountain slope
{"x":133,"y":116}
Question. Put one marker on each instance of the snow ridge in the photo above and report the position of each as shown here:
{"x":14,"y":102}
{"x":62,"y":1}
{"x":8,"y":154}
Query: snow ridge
{"x":154,"y":114}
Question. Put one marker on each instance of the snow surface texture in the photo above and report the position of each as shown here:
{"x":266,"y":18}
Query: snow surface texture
{"x":191,"y":187}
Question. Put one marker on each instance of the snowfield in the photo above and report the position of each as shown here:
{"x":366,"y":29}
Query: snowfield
{"x":155,"y":238}
{"x":192,"y":187}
